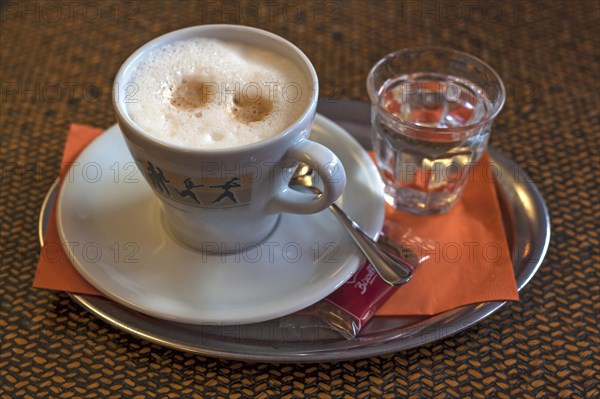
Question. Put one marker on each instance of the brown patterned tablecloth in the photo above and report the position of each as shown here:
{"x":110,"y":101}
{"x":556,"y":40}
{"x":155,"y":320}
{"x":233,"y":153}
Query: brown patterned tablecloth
{"x":58,"y":61}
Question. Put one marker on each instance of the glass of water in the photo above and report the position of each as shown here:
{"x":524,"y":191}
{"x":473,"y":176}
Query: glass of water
{"x":431,"y":114}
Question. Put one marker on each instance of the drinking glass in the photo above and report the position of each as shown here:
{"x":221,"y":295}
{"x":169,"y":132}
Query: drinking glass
{"x":431,"y":115}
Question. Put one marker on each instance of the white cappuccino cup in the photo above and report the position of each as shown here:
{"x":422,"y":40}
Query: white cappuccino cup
{"x":218,"y":139}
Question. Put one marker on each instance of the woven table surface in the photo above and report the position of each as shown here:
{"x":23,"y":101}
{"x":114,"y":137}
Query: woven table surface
{"x":58,"y":61}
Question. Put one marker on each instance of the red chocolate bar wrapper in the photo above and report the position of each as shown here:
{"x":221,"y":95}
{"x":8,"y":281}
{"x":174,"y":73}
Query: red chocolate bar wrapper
{"x":362,"y":295}
{"x":351,"y":306}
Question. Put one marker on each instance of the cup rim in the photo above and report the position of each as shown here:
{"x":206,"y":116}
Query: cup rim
{"x":123,"y":116}
{"x":373,"y":92}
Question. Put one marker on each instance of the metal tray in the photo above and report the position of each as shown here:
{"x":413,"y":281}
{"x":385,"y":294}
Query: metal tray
{"x":527,"y":228}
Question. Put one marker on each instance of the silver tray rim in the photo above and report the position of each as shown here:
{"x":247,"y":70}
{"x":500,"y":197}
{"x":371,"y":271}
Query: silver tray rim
{"x":528,"y":254}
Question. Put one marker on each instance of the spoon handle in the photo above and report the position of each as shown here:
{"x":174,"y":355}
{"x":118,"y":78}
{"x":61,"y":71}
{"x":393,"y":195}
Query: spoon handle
{"x":391,"y":268}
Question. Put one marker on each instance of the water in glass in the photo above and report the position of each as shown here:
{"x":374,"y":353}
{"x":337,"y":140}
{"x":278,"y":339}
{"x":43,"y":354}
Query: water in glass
{"x":426,"y":137}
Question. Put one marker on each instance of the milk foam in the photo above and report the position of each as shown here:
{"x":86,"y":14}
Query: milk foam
{"x":189,"y":93}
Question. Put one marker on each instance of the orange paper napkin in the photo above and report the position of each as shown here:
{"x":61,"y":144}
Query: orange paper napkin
{"x":467,"y":257}
{"x":54,"y":270}
{"x":465,"y":252}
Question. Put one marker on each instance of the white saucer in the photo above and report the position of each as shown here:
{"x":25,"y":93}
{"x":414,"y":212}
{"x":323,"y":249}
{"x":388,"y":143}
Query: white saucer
{"x":110,"y":224}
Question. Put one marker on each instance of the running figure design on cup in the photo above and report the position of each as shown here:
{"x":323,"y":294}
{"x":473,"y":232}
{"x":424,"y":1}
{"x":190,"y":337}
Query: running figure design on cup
{"x":156,"y":175}
{"x":201,"y":192}
{"x":189,"y":186}
{"x":227,"y":186}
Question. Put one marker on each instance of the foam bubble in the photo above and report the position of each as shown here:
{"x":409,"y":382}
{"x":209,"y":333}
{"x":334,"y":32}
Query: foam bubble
{"x":207,"y":93}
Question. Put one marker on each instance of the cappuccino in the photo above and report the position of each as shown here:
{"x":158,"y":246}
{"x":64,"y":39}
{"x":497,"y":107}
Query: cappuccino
{"x":208,"y":93}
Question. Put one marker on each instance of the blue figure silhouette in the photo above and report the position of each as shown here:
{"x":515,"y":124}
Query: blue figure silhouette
{"x":158,"y":178}
{"x":189,"y":185}
{"x":227,"y":186}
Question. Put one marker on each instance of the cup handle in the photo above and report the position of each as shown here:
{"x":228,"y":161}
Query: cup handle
{"x":330,"y":170}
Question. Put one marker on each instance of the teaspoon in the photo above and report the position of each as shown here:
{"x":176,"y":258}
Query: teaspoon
{"x":392,"y":268}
